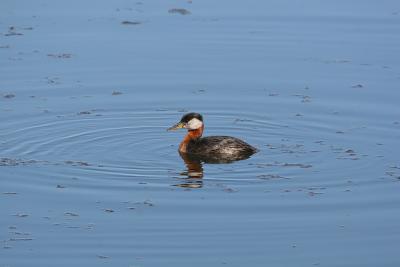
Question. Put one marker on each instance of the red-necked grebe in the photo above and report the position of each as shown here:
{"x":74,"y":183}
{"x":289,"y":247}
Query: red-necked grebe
{"x":211,"y":147}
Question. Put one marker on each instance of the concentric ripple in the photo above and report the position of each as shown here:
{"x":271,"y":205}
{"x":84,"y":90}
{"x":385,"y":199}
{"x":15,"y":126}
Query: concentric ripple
{"x":125,"y":146}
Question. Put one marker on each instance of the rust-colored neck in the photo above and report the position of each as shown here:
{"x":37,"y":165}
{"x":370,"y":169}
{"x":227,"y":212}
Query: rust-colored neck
{"x":191,"y":135}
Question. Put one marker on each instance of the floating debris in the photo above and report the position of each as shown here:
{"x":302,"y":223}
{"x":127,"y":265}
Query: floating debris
{"x":109,"y":210}
{"x":304,"y":98}
{"x":312,"y":193}
{"x":350,"y":154}
{"x":270,"y":176}
{"x":339,"y":61}
{"x":393,"y":174}
{"x":15,"y":162}
{"x":90,"y":226}
{"x":12,"y":32}
{"x":9,"y":95}
{"x":230,"y":190}
{"x":199,"y":91}
{"x":148,"y":203}
{"x":140,"y":203}
{"x":295,"y":148}
{"x":181,"y":11}
{"x":62,"y":55}
{"x":8,"y":162}
{"x":116,"y":93}
{"x":84,"y":112}
{"x":9,"y":193}
{"x":128,"y":22}
{"x":71,"y":214}
{"x":235,"y":121}
{"x":52,"y":80}
{"x":77,"y":163}
{"x":297,"y":165}
{"x":316,"y":188}
{"x":20,"y":233}
{"x":102,"y":257}
{"x":21,"y":215}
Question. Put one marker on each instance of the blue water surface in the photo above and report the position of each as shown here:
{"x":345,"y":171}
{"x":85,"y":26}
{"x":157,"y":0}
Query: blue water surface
{"x":89,"y":176}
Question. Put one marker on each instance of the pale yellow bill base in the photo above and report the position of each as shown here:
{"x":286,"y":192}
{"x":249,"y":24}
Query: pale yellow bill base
{"x":177,"y":126}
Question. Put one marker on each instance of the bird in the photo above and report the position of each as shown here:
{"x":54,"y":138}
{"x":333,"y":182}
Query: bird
{"x":211,"y":148}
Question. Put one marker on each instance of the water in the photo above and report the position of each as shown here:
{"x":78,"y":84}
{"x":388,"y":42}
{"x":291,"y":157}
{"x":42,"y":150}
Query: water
{"x":89,"y":175}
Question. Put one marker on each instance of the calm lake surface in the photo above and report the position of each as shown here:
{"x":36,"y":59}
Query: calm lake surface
{"x":90,"y":177}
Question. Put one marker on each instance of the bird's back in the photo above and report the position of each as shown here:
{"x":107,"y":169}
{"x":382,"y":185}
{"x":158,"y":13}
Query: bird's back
{"x":221,"y":147}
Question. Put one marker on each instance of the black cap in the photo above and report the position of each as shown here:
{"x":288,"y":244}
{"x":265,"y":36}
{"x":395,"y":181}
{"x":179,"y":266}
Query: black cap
{"x":193,"y":115}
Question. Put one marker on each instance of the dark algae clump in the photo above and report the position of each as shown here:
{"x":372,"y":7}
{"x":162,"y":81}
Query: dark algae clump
{"x":180,"y":11}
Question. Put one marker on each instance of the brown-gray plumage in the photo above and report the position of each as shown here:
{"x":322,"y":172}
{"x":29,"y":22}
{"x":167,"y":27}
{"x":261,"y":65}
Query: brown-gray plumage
{"x":220,"y":146}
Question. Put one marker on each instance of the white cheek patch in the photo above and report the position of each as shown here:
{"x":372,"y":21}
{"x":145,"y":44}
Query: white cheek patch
{"x":194,"y":124}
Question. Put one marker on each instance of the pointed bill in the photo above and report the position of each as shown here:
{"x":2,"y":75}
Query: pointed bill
{"x":177,"y":126}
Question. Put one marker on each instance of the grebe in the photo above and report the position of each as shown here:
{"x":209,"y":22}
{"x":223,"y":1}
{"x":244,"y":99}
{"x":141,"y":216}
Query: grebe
{"x":210,"y":148}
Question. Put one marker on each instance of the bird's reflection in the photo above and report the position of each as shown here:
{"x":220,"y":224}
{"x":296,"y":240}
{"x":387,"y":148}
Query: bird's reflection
{"x":194,"y":168}
{"x":193,"y":173}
